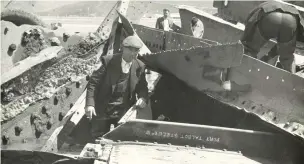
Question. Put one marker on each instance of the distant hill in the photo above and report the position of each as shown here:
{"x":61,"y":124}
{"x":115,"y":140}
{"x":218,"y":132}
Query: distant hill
{"x":34,"y":6}
{"x":102,"y":8}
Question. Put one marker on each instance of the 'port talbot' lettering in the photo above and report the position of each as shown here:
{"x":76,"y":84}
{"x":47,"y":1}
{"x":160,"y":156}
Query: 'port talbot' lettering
{"x":182,"y":136}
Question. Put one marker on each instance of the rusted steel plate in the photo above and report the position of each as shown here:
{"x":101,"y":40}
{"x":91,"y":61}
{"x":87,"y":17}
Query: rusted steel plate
{"x":180,"y":41}
{"x":158,"y":40}
{"x":200,"y":67}
{"x":153,"y":38}
{"x":60,"y":134}
{"x":137,"y":9}
{"x":224,"y":33}
{"x":239,"y":10}
{"x":276,"y":95}
{"x":252,"y":143}
{"x":51,"y":111}
{"x":105,"y":27}
{"x":141,"y":152}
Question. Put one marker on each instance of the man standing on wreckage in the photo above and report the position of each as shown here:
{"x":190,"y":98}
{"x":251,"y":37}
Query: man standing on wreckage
{"x":115,"y":86}
{"x":274,"y":20}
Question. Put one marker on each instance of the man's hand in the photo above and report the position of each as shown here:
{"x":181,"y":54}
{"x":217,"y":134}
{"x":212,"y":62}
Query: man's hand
{"x":141,"y":103}
{"x":90,"y":111}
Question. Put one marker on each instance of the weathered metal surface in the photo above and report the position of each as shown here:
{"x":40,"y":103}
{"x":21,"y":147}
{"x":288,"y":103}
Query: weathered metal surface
{"x":142,"y":152}
{"x":180,"y":41}
{"x":251,"y":143}
{"x":105,"y":27}
{"x":46,"y":113}
{"x":60,"y":133}
{"x":29,"y":157}
{"x":158,"y":40}
{"x":136,"y":10}
{"x":200,"y":67}
{"x":290,"y":105}
{"x":239,"y":10}
{"x":153,"y":38}
{"x":276,"y":96}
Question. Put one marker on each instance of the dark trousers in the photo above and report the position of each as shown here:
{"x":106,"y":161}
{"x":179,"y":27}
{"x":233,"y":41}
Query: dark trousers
{"x":280,"y":26}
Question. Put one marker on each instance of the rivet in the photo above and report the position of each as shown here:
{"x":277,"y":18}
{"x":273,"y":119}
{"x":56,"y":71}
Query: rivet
{"x":287,"y":124}
{"x":71,"y":105}
{"x":44,"y":109}
{"x":250,"y":70}
{"x":18,"y":130}
{"x":68,"y":91}
{"x":283,"y":80}
{"x":61,"y":115}
{"x":295,"y":128}
{"x":258,"y":69}
{"x":12,"y":47}
{"x":49,"y":124}
{"x":267,"y":77}
{"x":5,"y":30}
{"x":55,"y":100}
{"x":5,"y":139}
{"x":294,"y":89}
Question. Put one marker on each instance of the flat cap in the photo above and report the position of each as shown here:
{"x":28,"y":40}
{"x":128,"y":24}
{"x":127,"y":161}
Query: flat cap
{"x":132,"y":41}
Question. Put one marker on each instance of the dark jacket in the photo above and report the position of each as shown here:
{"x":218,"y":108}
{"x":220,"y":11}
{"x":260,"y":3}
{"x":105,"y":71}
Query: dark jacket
{"x":267,"y":7}
{"x":160,"y":23}
{"x":99,"y":89}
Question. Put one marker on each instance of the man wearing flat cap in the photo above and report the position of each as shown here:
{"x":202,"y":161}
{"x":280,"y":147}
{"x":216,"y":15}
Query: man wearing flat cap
{"x":115,"y":87}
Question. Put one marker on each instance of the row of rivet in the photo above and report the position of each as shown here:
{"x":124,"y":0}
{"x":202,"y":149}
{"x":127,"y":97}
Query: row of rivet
{"x":45,"y":110}
{"x":268,"y":77}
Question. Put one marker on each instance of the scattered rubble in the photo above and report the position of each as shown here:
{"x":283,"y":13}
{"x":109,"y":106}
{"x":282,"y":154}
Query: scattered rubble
{"x":32,"y":89}
{"x":33,"y":42}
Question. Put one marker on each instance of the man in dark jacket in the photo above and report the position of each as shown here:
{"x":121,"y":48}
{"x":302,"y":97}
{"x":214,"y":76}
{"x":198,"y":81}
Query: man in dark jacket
{"x":274,"y":20}
{"x":115,"y":86}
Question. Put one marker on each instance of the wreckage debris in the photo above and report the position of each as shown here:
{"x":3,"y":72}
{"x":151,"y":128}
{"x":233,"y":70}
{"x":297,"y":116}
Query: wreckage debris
{"x":33,"y":89}
{"x":33,"y":42}
{"x":55,"y":41}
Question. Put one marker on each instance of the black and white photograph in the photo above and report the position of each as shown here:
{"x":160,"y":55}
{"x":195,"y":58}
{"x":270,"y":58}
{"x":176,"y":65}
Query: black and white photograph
{"x":160,"y":82}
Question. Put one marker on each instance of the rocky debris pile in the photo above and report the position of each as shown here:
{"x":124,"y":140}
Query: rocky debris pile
{"x":55,"y":26}
{"x":86,"y":46}
{"x":28,"y":89}
{"x":33,"y":42}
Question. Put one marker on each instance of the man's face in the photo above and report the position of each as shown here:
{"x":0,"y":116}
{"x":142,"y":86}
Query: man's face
{"x":129,"y":53}
{"x":166,"y":13}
